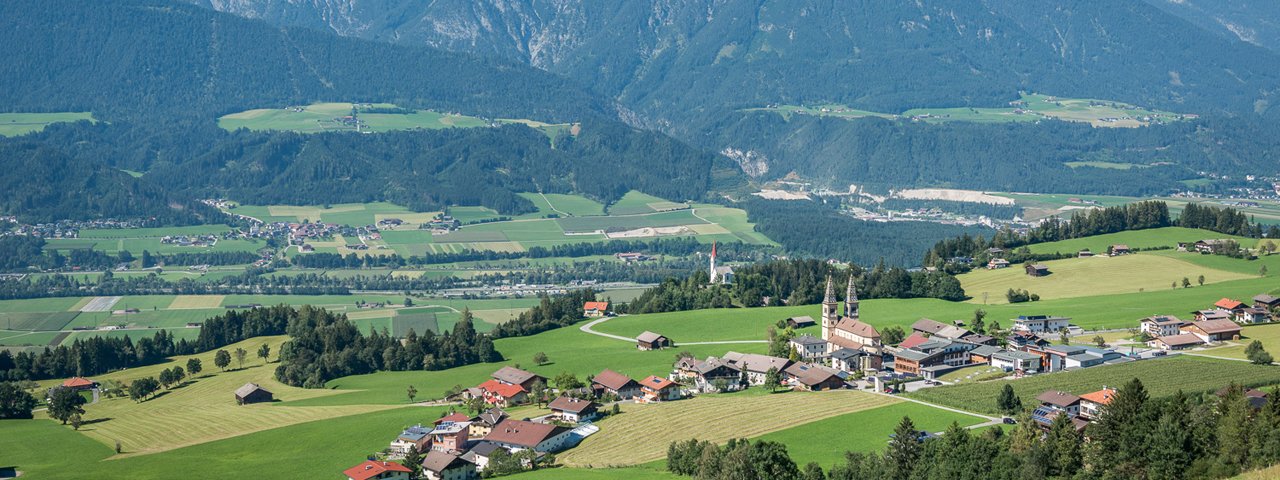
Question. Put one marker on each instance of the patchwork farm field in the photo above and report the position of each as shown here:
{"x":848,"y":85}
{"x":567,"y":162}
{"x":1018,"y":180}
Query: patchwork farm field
{"x":377,"y":117}
{"x":1091,"y":276}
{"x":51,"y":321}
{"x":14,"y":124}
{"x":1030,"y":108}
{"x":630,"y":438}
{"x":1161,"y":377}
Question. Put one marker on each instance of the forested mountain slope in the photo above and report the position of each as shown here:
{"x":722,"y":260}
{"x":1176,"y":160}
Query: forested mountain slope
{"x":1252,"y":21}
{"x":158,"y":74}
{"x":681,"y":55}
{"x":691,"y":68}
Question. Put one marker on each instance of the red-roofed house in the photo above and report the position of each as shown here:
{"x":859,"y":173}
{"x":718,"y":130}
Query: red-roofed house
{"x":1229,"y":304}
{"x":657,"y":389}
{"x":370,"y":470}
{"x":913,"y":340}
{"x":80,"y":383}
{"x":502,"y":395}
{"x":595,"y":309}
{"x":1091,"y":403}
{"x":453,"y":417}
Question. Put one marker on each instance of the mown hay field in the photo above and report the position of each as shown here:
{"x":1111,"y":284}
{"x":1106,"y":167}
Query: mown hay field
{"x":642,"y":432}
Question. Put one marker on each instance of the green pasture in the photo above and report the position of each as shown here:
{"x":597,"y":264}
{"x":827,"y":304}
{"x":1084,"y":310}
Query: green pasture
{"x":1269,"y":335}
{"x":1031,"y":107}
{"x":329,"y":117}
{"x":568,"y":350}
{"x":635,"y":202}
{"x":1091,"y":276}
{"x":14,"y":124}
{"x":1135,"y":239}
{"x":863,"y":431}
{"x":562,"y":204}
{"x":660,"y":219}
{"x":1161,"y":377}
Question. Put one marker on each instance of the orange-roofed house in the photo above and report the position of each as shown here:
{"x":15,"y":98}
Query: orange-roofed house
{"x":500,"y":394}
{"x":595,"y":309}
{"x":80,"y":383}
{"x":658,"y":389}
{"x":1091,"y":403}
{"x":371,"y":469}
{"x":1229,"y":304}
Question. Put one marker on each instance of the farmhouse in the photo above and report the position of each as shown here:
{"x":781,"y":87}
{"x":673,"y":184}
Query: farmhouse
{"x":502,"y":395}
{"x":813,"y":377}
{"x":1120,"y":249}
{"x":252,"y":393}
{"x":658,"y":389}
{"x":371,"y":469}
{"x":710,"y":375}
{"x":413,"y":438}
{"x":997,"y":263}
{"x":1180,"y":341}
{"x":1215,"y":314}
{"x":1020,"y":340}
{"x":595,"y":309}
{"x":934,"y":328}
{"x":809,"y":346}
{"x":445,"y":466}
{"x":1037,"y":270}
{"x":1161,"y":325}
{"x":484,"y":422}
{"x":1251,"y":315}
{"x":1229,"y":304}
{"x":573,"y":410}
{"x":79,"y":383}
{"x":757,"y":366}
{"x":1091,"y":403}
{"x":1054,"y":403}
{"x":609,"y":382}
{"x":480,"y":454}
{"x":1266,"y":301}
{"x":517,"y":435}
{"x":801,"y":322}
{"x":652,"y":341}
{"x":846,"y":331}
{"x":1040,"y":323}
{"x":1213,"y":330}
{"x":516,"y":376}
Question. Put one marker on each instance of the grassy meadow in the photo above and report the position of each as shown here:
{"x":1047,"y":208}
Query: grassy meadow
{"x":1032,"y":107}
{"x":1161,"y":377}
{"x":631,"y":438}
{"x":1269,"y":335}
{"x":14,"y":124}
{"x":1092,"y":276}
{"x":861,"y":431}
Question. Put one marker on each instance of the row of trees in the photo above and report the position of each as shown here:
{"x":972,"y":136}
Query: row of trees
{"x":1134,"y":216}
{"x":1135,"y":437}
{"x":550,"y":313}
{"x":325,"y":345}
{"x":792,"y":282}
{"x":97,"y":355}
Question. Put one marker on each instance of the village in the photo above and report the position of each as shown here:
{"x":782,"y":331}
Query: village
{"x":849,"y":354}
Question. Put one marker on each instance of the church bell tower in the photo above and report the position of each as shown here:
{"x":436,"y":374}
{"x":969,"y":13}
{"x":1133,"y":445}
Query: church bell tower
{"x":829,"y":307}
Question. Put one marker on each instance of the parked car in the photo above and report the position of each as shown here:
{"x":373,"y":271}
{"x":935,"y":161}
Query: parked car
{"x":1159,"y":353}
{"x":1009,"y":421}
